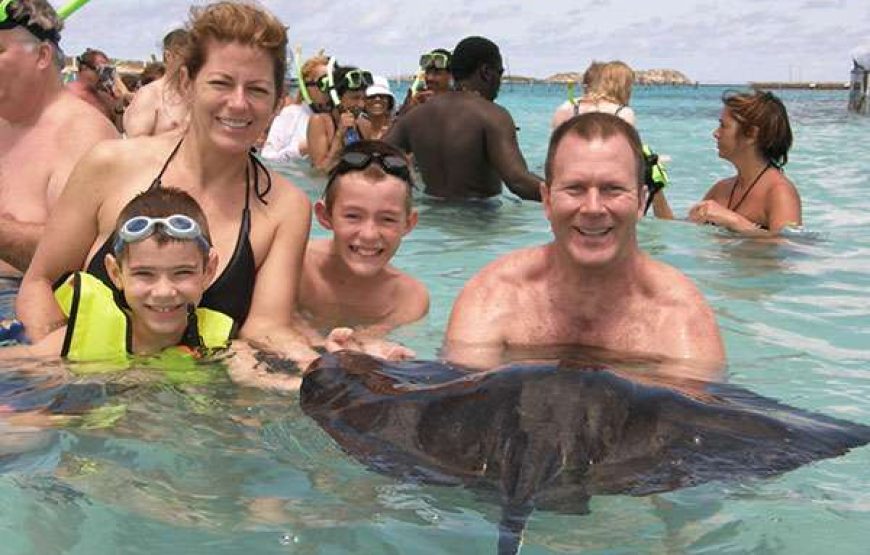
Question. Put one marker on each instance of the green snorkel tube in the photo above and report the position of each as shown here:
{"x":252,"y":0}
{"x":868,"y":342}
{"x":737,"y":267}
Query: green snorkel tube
{"x":70,"y":8}
{"x":571,"y":97}
{"x":418,"y":79}
{"x":655,"y":176}
{"x":303,"y":89}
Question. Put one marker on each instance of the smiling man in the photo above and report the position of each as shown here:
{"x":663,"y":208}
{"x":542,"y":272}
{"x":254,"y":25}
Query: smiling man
{"x":592,"y":285}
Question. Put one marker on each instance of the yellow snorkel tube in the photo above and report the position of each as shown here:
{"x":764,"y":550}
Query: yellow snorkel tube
{"x":70,"y":8}
{"x":571,"y":97}
{"x":300,"y":79}
{"x":415,"y":86}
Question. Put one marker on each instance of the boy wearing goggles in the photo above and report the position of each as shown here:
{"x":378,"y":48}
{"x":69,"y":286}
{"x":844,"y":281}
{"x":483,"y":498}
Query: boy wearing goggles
{"x":347,"y":280}
{"x":162,"y":261}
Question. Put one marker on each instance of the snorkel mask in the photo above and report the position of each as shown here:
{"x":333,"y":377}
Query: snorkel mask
{"x":9,"y":21}
{"x":434,"y":60}
{"x":353,"y":80}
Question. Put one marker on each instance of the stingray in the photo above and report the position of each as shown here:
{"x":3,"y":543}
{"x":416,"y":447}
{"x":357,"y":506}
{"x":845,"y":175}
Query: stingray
{"x":550,"y":435}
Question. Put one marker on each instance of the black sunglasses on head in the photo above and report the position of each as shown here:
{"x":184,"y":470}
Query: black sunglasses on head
{"x":392,"y":164}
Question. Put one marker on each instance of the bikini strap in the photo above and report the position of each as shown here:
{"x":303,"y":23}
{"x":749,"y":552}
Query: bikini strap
{"x":258,"y":165}
{"x":158,"y":180}
{"x":621,"y":106}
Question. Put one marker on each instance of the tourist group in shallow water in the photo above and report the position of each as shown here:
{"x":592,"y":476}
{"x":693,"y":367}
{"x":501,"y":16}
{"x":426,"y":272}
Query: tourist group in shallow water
{"x":180,"y":236}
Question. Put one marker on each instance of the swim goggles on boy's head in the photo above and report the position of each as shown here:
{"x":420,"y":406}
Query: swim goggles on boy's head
{"x":435,"y":60}
{"x":8,"y":21}
{"x":392,"y":164}
{"x":177,"y":226}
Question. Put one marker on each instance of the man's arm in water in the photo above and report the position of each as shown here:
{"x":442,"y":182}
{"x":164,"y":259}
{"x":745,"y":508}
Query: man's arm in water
{"x":18,"y":241}
{"x":474,"y":337}
{"x":504,"y":153}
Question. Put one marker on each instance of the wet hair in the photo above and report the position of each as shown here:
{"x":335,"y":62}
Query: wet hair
{"x":88,"y":58}
{"x":175,"y":40}
{"x":42,"y":22}
{"x":765,"y":112}
{"x":162,"y":202}
{"x":373,"y":171}
{"x":152,"y":72}
{"x":470,"y":54}
{"x":596,"y":125}
{"x":242,"y":22}
{"x":39,"y":13}
{"x":613,"y":83}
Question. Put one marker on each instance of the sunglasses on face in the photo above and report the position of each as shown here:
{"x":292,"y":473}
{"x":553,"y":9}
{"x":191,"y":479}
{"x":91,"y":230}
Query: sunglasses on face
{"x":177,"y":226}
{"x":393,"y":165}
{"x":435,"y":60}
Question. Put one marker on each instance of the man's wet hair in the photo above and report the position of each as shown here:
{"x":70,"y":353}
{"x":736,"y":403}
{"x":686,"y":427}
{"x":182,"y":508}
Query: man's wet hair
{"x":470,"y":54}
{"x":596,"y":125}
{"x":89,"y":57}
{"x":162,"y":202}
{"x":766,"y":112}
{"x":175,"y":40}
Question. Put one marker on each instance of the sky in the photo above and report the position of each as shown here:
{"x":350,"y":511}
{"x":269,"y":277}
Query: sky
{"x":711,"y":41}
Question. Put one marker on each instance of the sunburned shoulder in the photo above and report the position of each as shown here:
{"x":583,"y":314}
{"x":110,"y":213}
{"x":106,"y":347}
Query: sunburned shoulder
{"x":512,"y":271}
{"x":668,"y":286}
{"x":77,"y":117}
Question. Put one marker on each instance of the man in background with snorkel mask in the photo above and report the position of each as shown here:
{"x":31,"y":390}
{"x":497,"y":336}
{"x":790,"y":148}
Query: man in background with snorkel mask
{"x":44,"y":130}
{"x":96,"y":84}
{"x":464,"y":143}
{"x":433,"y":78}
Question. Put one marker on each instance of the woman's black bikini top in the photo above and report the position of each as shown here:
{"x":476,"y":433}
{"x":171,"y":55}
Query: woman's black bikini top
{"x":232,"y":291}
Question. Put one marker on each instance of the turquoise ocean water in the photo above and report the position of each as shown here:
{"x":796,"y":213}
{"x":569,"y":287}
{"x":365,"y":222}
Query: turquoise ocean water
{"x":207,"y":472}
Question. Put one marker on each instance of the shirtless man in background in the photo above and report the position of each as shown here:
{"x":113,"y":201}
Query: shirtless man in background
{"x":44,"y":130}
{"x":157,"y":108}
{"x":464,"y":143}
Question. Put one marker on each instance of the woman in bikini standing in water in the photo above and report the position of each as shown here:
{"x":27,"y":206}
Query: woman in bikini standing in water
{"x":232,"y":76}
{"x":753,"y":134}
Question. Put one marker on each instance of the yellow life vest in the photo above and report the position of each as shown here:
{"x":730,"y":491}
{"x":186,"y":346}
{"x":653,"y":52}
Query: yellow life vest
{"x":98,"y":329}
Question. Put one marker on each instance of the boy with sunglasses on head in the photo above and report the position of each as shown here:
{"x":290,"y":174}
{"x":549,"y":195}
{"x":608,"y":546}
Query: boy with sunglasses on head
{"x":347,"y":280}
